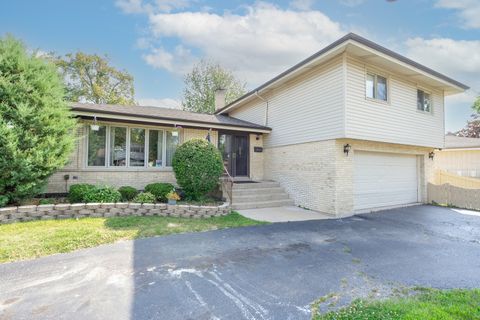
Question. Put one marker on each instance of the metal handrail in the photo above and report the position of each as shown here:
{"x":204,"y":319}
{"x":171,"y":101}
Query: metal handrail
{"x":229,"y":186}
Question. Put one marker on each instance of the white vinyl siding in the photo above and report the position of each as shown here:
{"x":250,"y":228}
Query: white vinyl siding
{"x":399,"y":120}
{"x":308,"y":108}
{"x":384,"y":180}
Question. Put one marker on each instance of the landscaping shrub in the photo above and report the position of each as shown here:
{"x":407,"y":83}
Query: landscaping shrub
{"x":36,"y":125}
{"x":77,"y":192}
{"x":198,"y":166}
{"x":46,"y":201}
{"x":159,"y":190}
{"x":128,"y":193}
{"x":102,"y":194}
{"x":144,"y":197}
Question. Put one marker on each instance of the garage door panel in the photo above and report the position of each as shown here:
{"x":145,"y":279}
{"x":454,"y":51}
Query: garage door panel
{"x":383,"y":180}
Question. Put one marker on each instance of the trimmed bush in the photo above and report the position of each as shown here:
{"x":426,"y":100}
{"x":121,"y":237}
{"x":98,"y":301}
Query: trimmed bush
{"x":198,"y":166}
{"x":128,"y":193}
{"x":77,"y":192}
{"x":159,"y":190}
{"x":144,"y":197}
{"x":102,"y":194}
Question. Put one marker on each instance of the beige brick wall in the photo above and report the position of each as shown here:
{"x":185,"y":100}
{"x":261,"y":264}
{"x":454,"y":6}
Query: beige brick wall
{"x":256,"y":158}
{"x":319,"y":176}
{"x":306,"y":171}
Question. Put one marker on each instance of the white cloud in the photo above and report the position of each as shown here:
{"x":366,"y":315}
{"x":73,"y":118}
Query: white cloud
{"x":459,"y":59}
{"x":179,"y":61}
{"x":468,"y":10}
{"x":164,"y":103}
{"x":257,"y":45}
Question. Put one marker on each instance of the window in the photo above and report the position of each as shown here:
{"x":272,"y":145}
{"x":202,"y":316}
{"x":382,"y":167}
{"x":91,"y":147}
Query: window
{"x":424,"y":101}
{"x":131,"y":147}
{"x":96,"y":146}
{"x":155,"y":150}
{"x":376,"y":87}
{"x":172,"y":143}
{"x":118,"y":147}
{"x":137,"y":147}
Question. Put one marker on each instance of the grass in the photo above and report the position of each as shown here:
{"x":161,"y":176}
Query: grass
{"x":425,"y":304}
{"x":19,"y":241}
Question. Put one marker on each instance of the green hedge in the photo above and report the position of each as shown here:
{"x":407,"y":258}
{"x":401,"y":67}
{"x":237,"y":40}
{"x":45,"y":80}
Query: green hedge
{"x":198,"y":166}
{"x":102,"y":194}
{"x":77,"y":192}
{"x":144,"y":197}
{"x":128,"y":193}
{"x":159,"y":190}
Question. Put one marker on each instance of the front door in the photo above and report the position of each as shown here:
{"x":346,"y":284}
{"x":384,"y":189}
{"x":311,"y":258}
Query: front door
{"x":234,"y":150}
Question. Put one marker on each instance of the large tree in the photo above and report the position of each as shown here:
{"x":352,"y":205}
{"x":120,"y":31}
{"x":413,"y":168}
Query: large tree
{"x":201,"y":83}
{"x":91,"y":78}
{"x":36,"y":126}
{"x":472,"y":129}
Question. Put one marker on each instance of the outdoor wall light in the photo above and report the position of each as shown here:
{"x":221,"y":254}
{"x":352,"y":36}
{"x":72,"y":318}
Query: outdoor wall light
{"x":94,"y":126}
{"x":347,"y":148}
{"x":257,"y":137}
{"x":431,"y":155}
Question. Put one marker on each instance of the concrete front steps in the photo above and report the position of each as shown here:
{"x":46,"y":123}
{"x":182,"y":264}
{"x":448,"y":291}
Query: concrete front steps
{"x":262,"y":194}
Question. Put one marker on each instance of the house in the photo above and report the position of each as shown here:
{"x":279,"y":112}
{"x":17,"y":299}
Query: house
{"x":349,"y":129}
{"x":460,"y":156}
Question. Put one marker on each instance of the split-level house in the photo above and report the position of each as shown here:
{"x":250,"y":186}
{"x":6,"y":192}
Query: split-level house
{"x":350,"y":129}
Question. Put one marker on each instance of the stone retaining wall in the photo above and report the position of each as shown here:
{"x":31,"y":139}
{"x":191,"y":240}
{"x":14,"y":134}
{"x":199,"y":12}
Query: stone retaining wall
{"x":82,"y":210}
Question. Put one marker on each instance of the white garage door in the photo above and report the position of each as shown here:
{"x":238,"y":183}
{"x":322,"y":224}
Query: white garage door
{"x":384,"y":180}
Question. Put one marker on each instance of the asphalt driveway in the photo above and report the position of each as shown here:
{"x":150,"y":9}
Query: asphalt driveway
{"x":262,"y":272}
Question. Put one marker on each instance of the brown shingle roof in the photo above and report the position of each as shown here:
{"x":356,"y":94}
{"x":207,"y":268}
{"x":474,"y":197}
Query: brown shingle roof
{"x":165,"y":114}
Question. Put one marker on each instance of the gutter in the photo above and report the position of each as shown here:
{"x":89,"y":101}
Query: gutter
{"x":266,"y":108}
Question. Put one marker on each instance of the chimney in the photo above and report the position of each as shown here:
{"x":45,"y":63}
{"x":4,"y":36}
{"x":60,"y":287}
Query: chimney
{"x":220,"y":99}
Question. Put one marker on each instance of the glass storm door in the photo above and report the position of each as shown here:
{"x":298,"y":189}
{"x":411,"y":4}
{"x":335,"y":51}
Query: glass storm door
{"x":234,"y":150}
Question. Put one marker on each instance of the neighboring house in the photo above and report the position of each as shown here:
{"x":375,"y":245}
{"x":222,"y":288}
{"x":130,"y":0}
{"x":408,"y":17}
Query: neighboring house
{"x":461,"y":156}
{"x":347,"y":130}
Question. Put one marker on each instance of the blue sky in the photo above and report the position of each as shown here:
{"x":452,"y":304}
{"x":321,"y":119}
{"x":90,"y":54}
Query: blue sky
{"x":157,"y":41}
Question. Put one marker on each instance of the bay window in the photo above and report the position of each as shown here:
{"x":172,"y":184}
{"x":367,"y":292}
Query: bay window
{"x":97,"y":141}
{"x":155,"y":150}
{"x":137,"y":147}
{"x":116,"y":146}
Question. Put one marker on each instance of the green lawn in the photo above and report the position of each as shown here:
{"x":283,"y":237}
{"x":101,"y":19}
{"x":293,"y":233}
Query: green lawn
{"x":27,"y":240}
{"x":426,"y":304}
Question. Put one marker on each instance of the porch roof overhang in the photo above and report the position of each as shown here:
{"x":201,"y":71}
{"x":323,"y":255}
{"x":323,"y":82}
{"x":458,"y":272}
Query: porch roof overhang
{"x":358,"y":47}
{"x":164,"y":117}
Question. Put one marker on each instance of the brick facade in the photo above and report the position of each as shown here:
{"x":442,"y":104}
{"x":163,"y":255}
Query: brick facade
{"x":319,"y":176}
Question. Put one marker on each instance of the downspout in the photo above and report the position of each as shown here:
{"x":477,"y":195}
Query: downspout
{"x":266,"y":109}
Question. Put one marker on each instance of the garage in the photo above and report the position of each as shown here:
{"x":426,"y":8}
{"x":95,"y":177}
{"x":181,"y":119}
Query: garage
{"x":384,"y":180}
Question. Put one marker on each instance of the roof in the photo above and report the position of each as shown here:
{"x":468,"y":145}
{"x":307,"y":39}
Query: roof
{"x":163,"y":115}
{"x":454,"y":142}
{"x":354,"y":39}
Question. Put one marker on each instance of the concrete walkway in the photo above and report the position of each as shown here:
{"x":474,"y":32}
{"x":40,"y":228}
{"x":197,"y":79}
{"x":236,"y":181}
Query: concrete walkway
{"x":283,"y":214}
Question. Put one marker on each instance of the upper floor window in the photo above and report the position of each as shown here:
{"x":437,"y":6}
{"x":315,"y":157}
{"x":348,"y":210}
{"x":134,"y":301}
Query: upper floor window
{"x":424,"y":101}
{"x":376,"y":87}
{"x":130,"y":147}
